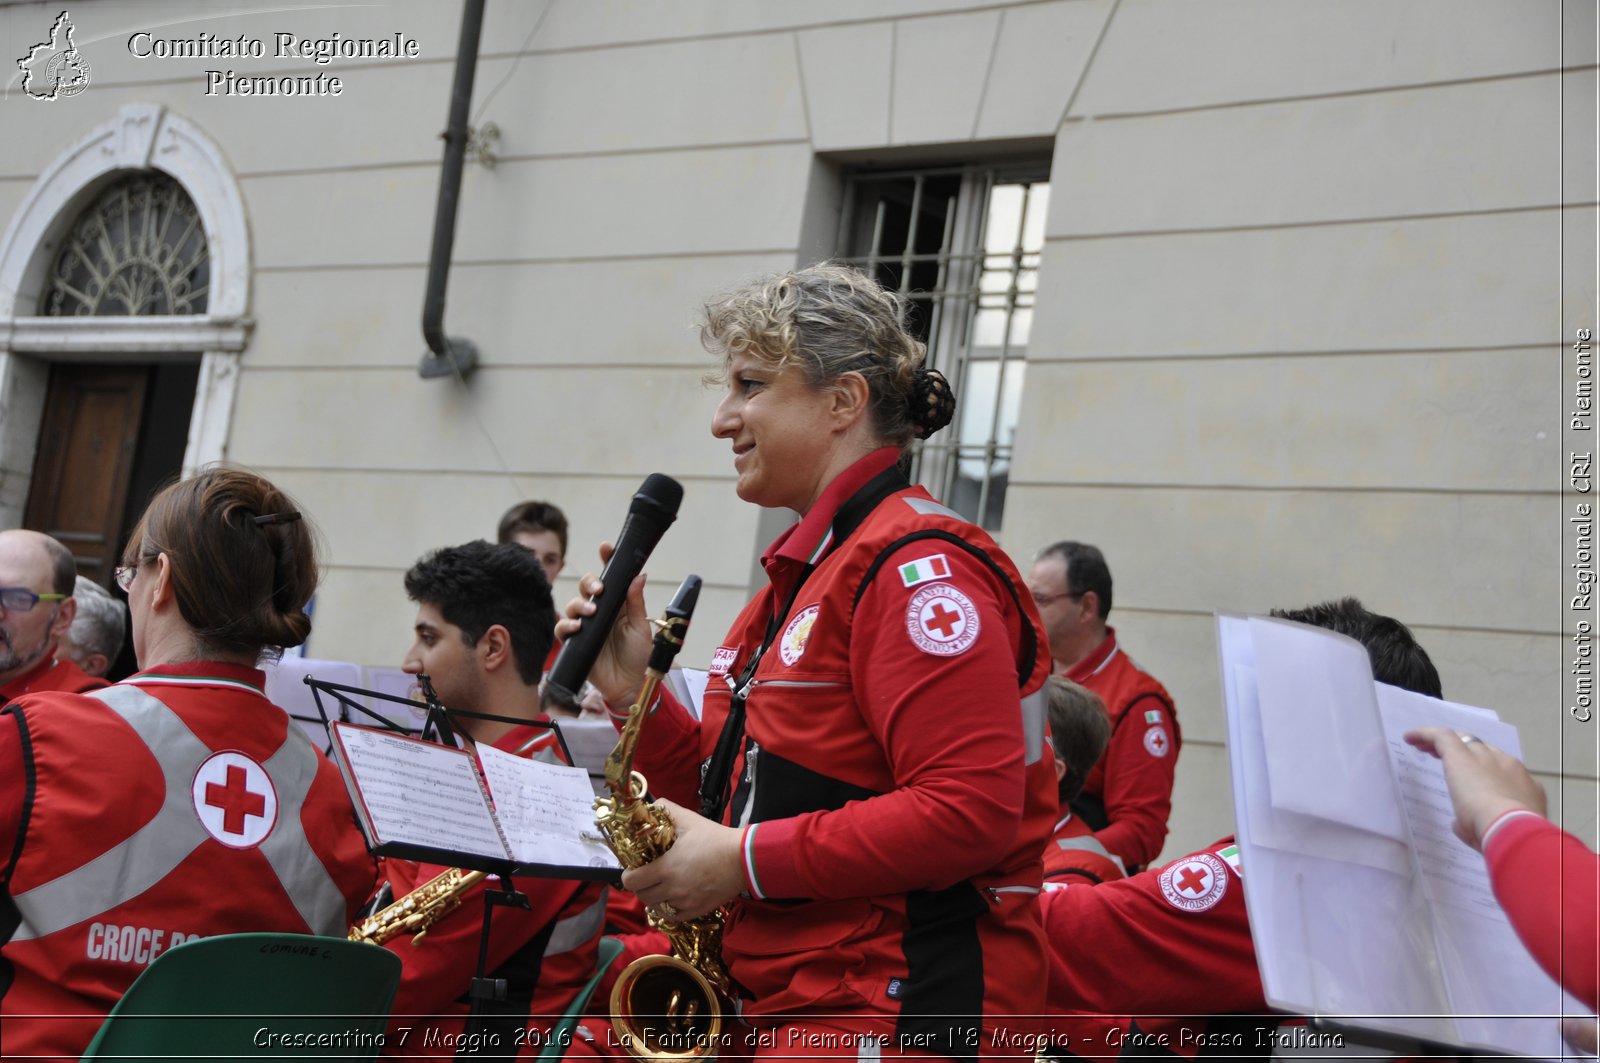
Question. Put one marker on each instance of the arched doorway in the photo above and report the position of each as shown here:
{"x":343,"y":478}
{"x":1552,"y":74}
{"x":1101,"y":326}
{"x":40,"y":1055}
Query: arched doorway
{"x":123,"y":294}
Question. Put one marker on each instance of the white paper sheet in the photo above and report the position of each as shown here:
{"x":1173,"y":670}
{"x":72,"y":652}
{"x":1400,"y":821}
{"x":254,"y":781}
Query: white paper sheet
{"x":419,"y":793}
{"x":546,"y":810}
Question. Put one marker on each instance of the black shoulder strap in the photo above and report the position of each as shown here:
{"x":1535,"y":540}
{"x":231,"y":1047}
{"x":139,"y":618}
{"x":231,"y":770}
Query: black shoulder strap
{"x":29,"y":784}
{"x":1028,"y":652}
{"x":715,"y":786}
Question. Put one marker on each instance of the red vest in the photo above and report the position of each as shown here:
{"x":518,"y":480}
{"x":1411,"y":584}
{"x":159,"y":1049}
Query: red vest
{"x":160,"y":809}
{"x":933,"y":952}
{"x":1120,"y":683}
{"x":52,"y":673}
{"x":1074,"y":856}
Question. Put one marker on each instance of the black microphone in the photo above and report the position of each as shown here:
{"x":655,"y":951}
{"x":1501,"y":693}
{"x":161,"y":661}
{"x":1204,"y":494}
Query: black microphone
{"x":654,"y":507}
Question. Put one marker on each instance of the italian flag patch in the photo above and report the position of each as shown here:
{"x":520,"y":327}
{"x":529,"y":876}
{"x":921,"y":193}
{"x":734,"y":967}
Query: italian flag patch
{"x":1152,"y":716}
{"x":924,"y":569}
{"x":1231,"y":855}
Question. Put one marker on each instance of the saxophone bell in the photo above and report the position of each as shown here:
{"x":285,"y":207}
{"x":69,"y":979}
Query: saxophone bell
{"x":666,"y":1011}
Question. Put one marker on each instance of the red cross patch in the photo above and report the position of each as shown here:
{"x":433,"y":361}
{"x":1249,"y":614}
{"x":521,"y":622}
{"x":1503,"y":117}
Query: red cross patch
{"x":1195,"y":883}
{"x":941,"y":620}
{"x":235,"y":800}
{"x":1156,"y":742}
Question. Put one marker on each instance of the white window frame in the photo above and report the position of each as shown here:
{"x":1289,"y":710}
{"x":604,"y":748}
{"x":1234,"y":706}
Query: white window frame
{"x":142,"y":136}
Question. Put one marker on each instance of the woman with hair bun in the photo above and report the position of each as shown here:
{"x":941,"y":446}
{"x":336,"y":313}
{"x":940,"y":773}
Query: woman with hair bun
{"x":179,"y":802}
{"x":877,"y":793}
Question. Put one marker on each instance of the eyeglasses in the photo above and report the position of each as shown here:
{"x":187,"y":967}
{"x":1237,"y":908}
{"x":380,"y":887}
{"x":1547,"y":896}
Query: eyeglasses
{"x":124,"y":574}
{"x":22,"y":600}
{"x":1042,"y":600}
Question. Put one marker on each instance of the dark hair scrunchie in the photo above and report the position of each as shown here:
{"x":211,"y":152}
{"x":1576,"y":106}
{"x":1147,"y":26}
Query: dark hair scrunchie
{"x":933,"y":403}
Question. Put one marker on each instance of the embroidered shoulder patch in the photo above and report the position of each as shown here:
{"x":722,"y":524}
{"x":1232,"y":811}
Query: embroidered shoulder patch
{"x":1152,"y":716}
{"x":797,"y":634}
{"x":941,"y":620}
{"x":1231,"y":856}
{"x":1195,"y":883}
{"x":235,"y":800}
{"x":722,"y":661}
{"x":934,"y":566}
{"x":1156,"y":742}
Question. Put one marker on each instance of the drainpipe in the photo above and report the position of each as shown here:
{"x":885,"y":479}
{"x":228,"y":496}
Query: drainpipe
{"x":449,"y":356}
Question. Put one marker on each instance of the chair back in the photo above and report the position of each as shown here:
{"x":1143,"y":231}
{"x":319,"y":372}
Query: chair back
{"x":240,"y":995}
{"x":561,"y":1033}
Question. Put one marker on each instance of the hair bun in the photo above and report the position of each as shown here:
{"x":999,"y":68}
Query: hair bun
{"x":933,"y":403}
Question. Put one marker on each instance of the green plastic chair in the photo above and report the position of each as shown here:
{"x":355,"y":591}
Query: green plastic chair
{"x":561,"y":1032}
{"x":255,"y":995}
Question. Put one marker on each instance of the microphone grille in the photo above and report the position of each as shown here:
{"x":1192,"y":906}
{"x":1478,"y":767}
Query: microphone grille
{"x":661,"y":491}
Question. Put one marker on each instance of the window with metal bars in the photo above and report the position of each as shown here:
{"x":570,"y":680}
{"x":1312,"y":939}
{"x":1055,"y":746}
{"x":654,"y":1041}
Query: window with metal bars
{"x":962,"y":244}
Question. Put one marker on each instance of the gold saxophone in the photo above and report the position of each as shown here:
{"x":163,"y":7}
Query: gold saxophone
{"x":417,"y":911}
{"x":665,"y":1009}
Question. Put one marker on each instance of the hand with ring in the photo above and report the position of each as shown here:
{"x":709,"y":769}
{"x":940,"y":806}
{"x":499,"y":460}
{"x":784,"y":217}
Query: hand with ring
{"x":1485,"y":782}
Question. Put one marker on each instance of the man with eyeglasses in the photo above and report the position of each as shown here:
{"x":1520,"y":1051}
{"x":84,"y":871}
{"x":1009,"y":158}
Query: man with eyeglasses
{"x":1128,"y":794}
{"x":36,"y":608}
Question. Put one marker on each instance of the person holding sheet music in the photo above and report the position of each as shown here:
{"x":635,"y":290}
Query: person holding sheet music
{"x":1175,"y":940}
{"x":180,"y":802}
{"x":879,"y":792}
{"x":484,"y":626}
{"x":1544,"y":878}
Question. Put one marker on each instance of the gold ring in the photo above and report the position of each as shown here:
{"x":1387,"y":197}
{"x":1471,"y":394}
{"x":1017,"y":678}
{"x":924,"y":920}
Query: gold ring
{"x":667,"y":910}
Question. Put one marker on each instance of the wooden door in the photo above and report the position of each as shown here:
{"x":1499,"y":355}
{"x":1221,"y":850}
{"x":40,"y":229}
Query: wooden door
{"x":85,"y":460}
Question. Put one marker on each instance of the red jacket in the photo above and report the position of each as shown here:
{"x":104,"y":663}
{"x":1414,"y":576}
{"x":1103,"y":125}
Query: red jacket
{"x":1548,"y":884}
{"x":1167,"y":942}
{"x":546,"y":952}
{"x":1129,"y":790}
{"x":51,"y":673}
{"x":899,"y":794}
{"x":175,"y":804}
{"x":1074,"y":856}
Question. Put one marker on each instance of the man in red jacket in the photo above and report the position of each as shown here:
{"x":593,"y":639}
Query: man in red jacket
{"x":1128,"y":794}
{"x":37,"y":575}
{"x":484,"y":625}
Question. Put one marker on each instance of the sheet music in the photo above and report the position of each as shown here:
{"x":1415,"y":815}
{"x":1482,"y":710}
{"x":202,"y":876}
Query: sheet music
{"x":546,"y":810}
{"x":419,"y":792}
{"x":1452,"y":873}
{"x":1412,"y":946}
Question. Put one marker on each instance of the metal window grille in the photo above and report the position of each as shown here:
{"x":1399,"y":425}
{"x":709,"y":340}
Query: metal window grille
{"x":962,"y":245}
{"x":138,"y":249}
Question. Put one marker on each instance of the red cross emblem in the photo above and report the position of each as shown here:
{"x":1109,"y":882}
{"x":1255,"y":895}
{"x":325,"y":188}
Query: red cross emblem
{"x":1156,"y":742}
{"x":1192,"y":879}
{"x":1194,"y":883}
{"x":235,"y":799}
{"x":941,"y":620}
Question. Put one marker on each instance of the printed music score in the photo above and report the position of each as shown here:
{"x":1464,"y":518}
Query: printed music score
{"x":417,"y":792}
{"x":476,"y":808}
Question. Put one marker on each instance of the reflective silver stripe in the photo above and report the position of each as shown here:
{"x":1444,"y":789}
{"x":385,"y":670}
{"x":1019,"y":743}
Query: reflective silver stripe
{"x":929,"y":508}
{"x":577,"y":930}
{"x":1033,"y":726}
{"x":304,"y":877}
{"x":1090,"y":844}
{"x":156,"y":849}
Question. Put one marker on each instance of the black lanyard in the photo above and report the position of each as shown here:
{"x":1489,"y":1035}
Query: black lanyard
{"x":716,"y":784}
